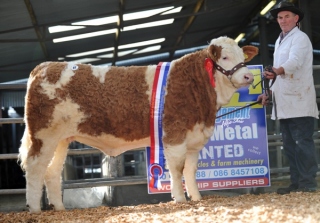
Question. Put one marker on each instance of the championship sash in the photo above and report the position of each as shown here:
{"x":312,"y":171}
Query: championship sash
{"x":155,"y":156}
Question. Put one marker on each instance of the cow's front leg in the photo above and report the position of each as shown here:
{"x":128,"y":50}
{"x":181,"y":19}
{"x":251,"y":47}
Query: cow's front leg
{"x":189,"y":173}
{"x":175,"y":159}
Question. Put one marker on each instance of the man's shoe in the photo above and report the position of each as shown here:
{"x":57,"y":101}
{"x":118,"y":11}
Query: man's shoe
{"x":305,"y":189}
{"x":286,"y":190}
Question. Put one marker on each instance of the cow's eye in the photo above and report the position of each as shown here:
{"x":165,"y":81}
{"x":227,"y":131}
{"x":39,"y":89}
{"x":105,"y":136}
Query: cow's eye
{"x":224,"y":58}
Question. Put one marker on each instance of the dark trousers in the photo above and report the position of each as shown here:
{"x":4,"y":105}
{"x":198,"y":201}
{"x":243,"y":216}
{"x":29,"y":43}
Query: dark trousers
{"x":299,"y":148}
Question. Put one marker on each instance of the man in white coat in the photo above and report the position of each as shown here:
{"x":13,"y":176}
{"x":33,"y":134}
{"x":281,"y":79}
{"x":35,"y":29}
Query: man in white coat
{"x":294,"y":97}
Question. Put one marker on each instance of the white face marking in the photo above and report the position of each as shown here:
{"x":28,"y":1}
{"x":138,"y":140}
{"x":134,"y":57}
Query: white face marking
{"x":231,"y":55}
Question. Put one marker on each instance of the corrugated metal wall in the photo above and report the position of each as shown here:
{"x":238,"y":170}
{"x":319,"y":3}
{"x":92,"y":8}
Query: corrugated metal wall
{"x":12,"y":98}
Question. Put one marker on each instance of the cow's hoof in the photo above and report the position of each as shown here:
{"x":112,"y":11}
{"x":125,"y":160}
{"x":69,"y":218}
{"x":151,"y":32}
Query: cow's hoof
{"x":34,"y":210}
{"x":196,"y":197}
{"x":59,"y":208}
{"x":181,"y":199}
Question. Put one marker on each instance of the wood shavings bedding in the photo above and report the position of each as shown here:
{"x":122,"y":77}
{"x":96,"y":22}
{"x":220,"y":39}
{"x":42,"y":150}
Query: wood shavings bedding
{"x":269,"y":208}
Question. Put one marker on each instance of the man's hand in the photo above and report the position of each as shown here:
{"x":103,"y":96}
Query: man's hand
{"x":272,"y":72}
{"x":264,"y":99}
{"x":269,"y":72}
{"x":269,"y":75}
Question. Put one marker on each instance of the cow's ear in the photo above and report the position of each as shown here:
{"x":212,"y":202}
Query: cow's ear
{"x":249,"y":52}
{"x":214,"y":52}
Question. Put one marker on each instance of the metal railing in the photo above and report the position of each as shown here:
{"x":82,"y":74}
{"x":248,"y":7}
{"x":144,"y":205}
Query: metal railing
{"x":123,"y":181}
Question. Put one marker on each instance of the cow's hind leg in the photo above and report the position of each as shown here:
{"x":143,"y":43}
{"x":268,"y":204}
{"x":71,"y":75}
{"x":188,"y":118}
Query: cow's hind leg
{"x":175,"y":159}
{"x":35,"y":168}
{"x":53,"y":175}
{"x":189,"y":173}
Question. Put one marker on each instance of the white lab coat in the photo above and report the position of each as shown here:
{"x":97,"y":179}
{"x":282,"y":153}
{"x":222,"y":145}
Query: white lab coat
{"x":294,"y":91}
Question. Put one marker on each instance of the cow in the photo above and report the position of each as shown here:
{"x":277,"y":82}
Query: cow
{"x":108,"y":107}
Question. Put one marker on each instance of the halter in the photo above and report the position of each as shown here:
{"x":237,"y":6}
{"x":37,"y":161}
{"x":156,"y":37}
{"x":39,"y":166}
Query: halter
{"x":228,"y":73}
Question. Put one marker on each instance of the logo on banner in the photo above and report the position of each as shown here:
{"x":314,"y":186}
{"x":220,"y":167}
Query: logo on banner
{"x":155,"y":172}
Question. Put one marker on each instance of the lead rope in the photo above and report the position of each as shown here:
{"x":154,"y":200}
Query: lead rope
{"x":253,"y":103}
{"x":265,"y":85}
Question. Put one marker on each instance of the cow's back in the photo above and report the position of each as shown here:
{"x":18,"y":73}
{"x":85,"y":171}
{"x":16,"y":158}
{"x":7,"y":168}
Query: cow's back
{"x":94,"y":100}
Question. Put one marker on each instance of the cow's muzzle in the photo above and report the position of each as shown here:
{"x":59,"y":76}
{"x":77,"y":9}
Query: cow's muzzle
{"x":249,"y":78}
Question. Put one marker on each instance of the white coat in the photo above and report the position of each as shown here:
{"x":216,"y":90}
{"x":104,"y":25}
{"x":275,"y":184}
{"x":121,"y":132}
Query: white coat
{"x":294,"y":91}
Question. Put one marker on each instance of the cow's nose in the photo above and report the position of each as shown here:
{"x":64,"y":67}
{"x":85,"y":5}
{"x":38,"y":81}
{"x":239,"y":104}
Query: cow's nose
{"x":249,"y":78}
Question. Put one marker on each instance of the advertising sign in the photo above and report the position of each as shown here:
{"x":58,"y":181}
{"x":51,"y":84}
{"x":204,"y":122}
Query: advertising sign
{"x":236,"y":155}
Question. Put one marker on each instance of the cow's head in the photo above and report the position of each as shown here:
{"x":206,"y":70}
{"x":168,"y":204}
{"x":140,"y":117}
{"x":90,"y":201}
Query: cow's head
{"x":230,"y":70}
{"x":229,"y":61}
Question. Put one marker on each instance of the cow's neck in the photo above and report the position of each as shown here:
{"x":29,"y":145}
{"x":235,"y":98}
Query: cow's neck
{"x":224,"y":89}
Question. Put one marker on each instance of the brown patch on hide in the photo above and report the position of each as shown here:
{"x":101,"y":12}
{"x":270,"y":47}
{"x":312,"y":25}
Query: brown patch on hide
{"x":37,"y":70}
{"x":38,"y":107}
{"x":190,"y":98}
{"x":119,"y":106}
{"x":54,"y":71}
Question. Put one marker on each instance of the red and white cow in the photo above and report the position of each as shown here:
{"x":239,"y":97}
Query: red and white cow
{"x":109,"y":108}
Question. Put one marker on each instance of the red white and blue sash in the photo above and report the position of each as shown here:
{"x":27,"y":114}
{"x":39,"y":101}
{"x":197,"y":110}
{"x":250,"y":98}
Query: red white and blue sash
{"x":155,"y":156}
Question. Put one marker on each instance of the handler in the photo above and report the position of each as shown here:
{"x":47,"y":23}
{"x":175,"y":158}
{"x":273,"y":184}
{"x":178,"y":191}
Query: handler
{"x":294,"y":97}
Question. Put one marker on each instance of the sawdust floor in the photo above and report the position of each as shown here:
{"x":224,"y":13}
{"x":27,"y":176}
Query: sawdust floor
{"x":268,"y":207}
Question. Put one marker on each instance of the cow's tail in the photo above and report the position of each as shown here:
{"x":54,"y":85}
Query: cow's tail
{"x":24,"y":148}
